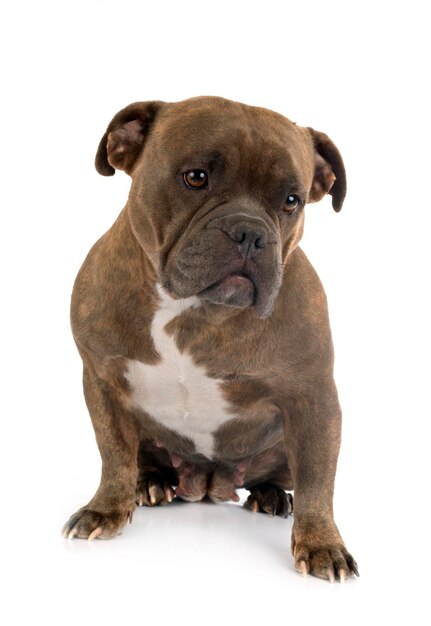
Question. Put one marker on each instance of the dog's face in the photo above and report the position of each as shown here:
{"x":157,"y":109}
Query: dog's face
{"x":218,"y":193}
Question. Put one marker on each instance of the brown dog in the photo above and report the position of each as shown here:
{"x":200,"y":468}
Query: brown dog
{"x":203,"y":328}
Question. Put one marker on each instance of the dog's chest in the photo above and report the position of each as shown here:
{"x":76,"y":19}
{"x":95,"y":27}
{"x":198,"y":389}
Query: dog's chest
{"x":177,"y":393}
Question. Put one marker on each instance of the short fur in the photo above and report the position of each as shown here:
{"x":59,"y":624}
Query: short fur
{"x":261,"y":330}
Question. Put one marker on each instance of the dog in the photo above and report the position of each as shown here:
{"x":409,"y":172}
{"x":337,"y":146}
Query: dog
{"x":203,"y":328}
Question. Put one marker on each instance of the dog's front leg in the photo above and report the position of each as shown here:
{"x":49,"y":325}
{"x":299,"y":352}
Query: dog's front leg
{"x":117,"y":436}
{"x":312,"y":426}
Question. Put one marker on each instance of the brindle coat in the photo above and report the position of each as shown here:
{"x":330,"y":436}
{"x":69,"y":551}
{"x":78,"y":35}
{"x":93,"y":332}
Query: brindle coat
{"x":272,"y":350}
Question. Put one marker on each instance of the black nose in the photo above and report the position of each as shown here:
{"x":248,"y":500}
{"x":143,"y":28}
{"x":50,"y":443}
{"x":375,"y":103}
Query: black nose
{"x":251,"y":239}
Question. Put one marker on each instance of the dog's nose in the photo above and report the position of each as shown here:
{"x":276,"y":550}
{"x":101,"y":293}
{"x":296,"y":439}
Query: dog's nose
{"x":251,"y":239}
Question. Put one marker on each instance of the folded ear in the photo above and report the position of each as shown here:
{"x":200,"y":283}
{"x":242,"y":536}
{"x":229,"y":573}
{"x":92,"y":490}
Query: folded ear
{"x":329,"y":172}
{"x":123,"y":141}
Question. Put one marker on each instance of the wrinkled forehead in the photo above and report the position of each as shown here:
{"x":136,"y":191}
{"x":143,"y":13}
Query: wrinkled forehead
{"x":190,"y":130}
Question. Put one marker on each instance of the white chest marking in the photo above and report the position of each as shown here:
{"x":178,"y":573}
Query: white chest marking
{"x":176,"y":392}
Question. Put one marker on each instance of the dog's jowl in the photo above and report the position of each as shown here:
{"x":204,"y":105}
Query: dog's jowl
{"x":203,"y":328}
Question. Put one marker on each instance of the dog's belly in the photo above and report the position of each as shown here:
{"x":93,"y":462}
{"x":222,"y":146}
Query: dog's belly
{"x":176,"y":392}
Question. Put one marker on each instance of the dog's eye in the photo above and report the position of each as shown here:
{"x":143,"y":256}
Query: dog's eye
{"x":291,"y":203}
{"x":195,"y":179}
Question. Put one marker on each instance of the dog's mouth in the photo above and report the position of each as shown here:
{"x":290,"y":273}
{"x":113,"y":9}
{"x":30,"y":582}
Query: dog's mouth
{"x":241,"y":285}
{"x":236,"y":290}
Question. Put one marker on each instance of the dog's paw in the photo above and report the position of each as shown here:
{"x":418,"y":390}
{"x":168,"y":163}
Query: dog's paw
{"x":331,"y":562}
{"x":268,"y":498}
{"x":90,"y":524}
{"x":153,"y":490}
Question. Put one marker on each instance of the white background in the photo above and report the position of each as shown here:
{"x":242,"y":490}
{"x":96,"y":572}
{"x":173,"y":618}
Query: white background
{"x":358,"y":71}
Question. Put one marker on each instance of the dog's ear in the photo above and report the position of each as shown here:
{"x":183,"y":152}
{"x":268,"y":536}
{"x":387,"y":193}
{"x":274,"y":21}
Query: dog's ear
{"x":123,"y":141}
{"x":329,"y":172}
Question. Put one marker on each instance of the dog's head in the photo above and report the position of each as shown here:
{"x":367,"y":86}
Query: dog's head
{"x":218,"y":193}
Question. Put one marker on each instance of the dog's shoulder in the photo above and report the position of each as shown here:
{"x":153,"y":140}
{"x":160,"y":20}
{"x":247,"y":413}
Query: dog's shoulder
{"x":110,"y":295}
{"x":300,"y":318}
{"x":302,"y":292}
